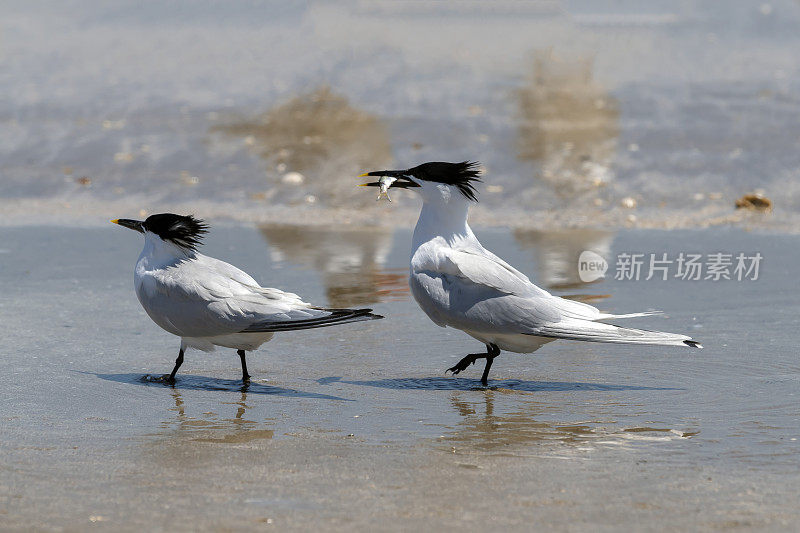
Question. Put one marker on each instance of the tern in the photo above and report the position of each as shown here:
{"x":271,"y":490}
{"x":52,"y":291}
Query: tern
{"x":460,"y":284}
{"x":207,"y":302}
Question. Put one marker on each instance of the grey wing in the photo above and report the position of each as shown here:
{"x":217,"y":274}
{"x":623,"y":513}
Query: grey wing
{"x":482,"y":266}
{"x":476,"y":250}
{"x":478,"y":294}
{"x":475,"y":290}
{"x":457,"y":302}
{"x":480,"y":269}
{"x":193,"y":301}
{"x":567,"y":309}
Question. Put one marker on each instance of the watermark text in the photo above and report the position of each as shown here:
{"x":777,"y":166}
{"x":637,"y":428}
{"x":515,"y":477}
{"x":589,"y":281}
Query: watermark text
{"x":633,"y":266}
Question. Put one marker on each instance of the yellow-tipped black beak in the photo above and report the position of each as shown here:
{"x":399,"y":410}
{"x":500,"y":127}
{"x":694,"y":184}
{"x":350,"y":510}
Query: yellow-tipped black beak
{"x":136,"y":225}
{"x":371,"y":184}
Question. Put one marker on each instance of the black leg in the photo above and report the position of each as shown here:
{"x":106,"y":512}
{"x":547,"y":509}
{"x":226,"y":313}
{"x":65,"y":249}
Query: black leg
{"x":178,"y":363}
{"x":245,"y":375}
{"x":465,"y":362}
{"x":492,"y":351}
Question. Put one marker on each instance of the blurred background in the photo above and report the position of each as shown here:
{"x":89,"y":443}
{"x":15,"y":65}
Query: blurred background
{"x":583,"y":113}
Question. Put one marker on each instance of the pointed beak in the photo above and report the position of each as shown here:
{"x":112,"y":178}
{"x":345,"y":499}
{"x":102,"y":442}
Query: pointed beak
{"x":403,"y":181}
{"x":136,"y":225}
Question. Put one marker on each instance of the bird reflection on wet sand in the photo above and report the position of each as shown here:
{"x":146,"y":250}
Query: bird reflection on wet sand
{"x":486,"y":429}
{"x":187,"y":441}
{"x":516,"y":417}
{"x":350,"y":260}
{"x":213,"y":428}
{"x":490,"y":425}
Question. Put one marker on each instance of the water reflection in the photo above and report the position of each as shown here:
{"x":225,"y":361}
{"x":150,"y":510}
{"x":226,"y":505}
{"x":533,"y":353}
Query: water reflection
{"x":491,"y":424}
{"x":186,"y":442}
{"x":556,"y":253}
{"x":485,"y":428}
{"x":351,"y":261}
{"x":209,"y":420}
{"x":313,"y":145}
{"x":568,"y":126}
{"x":213,"y":427}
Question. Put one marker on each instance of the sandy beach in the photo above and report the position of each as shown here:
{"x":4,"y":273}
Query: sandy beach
{"x":358,"y":425}
{"x":634,"y":130}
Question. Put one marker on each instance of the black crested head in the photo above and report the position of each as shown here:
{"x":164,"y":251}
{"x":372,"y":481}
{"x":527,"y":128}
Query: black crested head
{"x":461,"y":175}
{"x":185,"y":231}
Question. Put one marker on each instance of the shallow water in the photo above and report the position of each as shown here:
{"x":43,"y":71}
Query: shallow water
{"x":358,"y":425}
{"x":267,"y":111}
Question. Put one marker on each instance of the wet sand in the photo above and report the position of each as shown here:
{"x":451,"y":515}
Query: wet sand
{"x":357,"y":426}
{"x":584,"y":114}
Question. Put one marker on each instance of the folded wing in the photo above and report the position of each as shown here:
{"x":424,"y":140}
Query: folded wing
{"x":476,"y":291}
{"x":207,"y":298}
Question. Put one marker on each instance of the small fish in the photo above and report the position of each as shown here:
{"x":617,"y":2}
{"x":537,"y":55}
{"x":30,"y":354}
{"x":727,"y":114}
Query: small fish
{"x":385,"y":182}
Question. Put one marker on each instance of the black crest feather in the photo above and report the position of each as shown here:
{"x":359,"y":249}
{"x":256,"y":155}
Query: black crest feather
{"x":462,"y":175}
{"x":184,"y":230}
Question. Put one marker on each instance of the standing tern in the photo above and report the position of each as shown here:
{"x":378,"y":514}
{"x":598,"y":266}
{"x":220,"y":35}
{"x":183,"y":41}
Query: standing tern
{"x":207,"y":302}
{"x":459,"y":283}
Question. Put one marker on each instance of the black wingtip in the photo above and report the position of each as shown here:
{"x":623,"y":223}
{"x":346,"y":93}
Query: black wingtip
{"x":336,"y":316}
{"x":693,"y":344}
{"x":362,"y":313}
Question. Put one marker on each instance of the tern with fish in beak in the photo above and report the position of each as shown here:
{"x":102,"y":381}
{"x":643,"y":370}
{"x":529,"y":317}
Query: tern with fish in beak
{"x":459,"y":283}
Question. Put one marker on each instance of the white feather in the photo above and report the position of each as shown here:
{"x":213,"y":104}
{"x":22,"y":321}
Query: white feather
{"x":208,"y":302}
{"x":460,"y":284}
